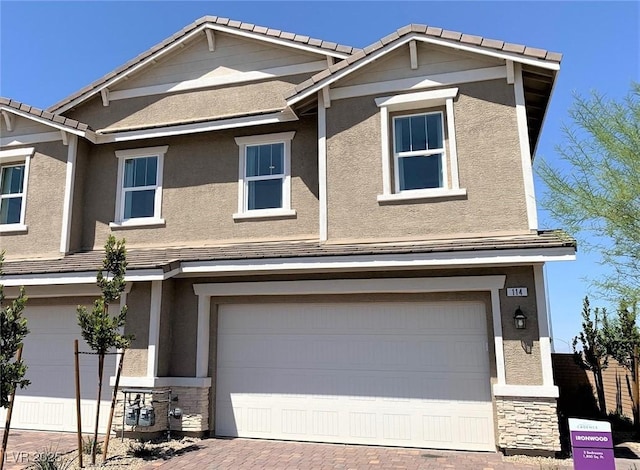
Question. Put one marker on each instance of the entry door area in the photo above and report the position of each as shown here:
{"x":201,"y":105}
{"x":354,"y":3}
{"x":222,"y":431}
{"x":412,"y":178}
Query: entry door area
{"x":397,"y":374}
{"x":49,"y":402}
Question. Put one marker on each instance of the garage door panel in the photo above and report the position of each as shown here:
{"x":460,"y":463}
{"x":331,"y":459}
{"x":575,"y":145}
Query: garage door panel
{"x":394,"y":383}
{"x":381,"y":318}
{"x":361,"y":385}
{"x":453,"y":354}
{"x":436,"y":353}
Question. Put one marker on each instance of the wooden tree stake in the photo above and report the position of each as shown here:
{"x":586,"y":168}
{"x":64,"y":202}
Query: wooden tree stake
{"x":113,"y":407}
{"x":78,"y":413}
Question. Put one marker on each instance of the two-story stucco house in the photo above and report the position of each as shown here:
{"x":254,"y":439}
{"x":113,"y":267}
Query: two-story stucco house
{"x":325,"y":243}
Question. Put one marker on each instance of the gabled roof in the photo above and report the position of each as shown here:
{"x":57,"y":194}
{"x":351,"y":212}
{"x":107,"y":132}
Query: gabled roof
{"x":206,"y":22}
{"x":456,"y":40}
{"x":35,"y":114}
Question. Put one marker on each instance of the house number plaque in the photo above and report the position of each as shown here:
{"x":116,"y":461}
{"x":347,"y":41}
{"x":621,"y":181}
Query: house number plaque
{"x":517,"y":292}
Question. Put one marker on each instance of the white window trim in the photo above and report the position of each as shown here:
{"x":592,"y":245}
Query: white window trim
{"x":156,"y":220}
{"x":413,"y":101}
{"x":285,"y":211}
{"x":422,"y":153}
{"x":14,"y":157}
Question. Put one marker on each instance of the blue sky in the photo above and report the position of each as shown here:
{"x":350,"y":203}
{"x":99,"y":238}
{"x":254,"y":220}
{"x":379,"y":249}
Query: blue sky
{"x":48,"y":50}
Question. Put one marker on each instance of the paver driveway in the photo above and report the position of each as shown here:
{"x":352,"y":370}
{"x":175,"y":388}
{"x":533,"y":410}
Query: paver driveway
{"x":25,"y":446}
{"x":250,"y":454}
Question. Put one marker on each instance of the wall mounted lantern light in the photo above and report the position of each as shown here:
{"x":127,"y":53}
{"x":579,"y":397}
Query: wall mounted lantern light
{"x":520,"y":319}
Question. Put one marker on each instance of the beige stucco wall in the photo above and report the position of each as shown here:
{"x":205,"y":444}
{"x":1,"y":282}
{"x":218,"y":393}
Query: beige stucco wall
{"x":45,"y":198}
{"x":138,"y":303}
{"x":488,"y":159}
{"x":184,"y":326}
{"x":189,"y":106}
{"x":77,"y":212}
{"x":521,"y":347}
{"x":200,"y":191}
{"x":166,"y":310}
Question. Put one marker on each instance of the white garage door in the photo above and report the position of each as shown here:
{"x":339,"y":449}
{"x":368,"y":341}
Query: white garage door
{"x":399,"y":374}
{"x":49,"y":402}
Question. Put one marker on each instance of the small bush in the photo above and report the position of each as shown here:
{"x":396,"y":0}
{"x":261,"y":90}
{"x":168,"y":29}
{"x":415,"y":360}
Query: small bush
{"x":50,"y":459}
{"x":87,"y":443}
{"x":620,"y":422}
{"x":142,"y":450}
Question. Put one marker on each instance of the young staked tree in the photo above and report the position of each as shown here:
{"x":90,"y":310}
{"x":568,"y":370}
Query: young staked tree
{"x":593,"y":188}
{"x":100,"y":330}
{"x":13,"y":330}
{"x":592,"y":354}
{"x":622,"y":339}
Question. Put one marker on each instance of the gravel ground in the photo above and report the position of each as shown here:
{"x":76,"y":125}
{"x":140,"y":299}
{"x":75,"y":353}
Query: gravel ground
{"x":541,"y":462}
{"x":130,"y":454}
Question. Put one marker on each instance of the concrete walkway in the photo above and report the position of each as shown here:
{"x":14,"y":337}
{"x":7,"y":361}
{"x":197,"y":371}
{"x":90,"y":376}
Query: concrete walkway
{"x":250,"y":454}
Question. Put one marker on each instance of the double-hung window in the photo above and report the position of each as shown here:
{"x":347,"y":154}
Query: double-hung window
{"x":14,"y":169}
{"x":139,"y":195}
{"x":264,"y":176}
{"x":419,"y":155}
{"x":419,"y":151}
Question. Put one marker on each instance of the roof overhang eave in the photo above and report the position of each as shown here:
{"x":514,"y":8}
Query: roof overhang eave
{"x":308,"y":264}
{"x":88,"y":134}
{"x":545,"y":64}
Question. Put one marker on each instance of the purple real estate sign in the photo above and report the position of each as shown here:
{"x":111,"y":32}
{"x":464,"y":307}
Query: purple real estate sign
{"x":591,"y":444}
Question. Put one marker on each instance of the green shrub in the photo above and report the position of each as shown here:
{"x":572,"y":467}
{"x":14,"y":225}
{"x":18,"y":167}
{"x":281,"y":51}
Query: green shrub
{"x":87,"y":443}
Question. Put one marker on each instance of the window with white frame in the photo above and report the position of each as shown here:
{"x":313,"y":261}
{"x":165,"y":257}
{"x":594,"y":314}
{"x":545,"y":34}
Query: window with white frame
{"x":417,"y":161}
{"x":14,"y":170}
{"x":419,"y":154}
{"x":264,"y":175}
{"x":139,"y":193}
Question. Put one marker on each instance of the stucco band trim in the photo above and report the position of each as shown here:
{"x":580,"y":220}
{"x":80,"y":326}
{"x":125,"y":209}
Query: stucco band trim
{"x":534,"y":391}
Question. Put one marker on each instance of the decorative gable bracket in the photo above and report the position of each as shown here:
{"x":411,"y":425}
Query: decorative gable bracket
{"x":8,"y":120}
{"x":413,"y":54}
{"x":104,"y":93}
{"x":211,"y":39}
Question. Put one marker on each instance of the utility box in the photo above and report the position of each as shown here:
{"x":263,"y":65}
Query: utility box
{"x":139,"y":412}
{"x":131,"y":414}
{"x":147,"y":416}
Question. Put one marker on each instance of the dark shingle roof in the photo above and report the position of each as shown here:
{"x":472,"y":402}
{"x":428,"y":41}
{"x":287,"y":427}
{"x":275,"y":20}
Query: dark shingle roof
{"x":318,"y":44}
{"x":7,"y":103}
{"x":170,"y":258}
{"x":452,"y":37}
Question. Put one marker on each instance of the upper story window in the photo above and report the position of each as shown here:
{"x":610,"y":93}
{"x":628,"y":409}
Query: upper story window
{"x":11,"y":194}
{"x":264,"y":176}
{"x":418,"y":151}
{"x":14,"y":170}
{"x":139,"y":192}
{"x":417,"y":161}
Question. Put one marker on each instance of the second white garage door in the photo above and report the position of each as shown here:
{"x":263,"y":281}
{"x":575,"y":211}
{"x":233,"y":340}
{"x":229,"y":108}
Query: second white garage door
{"x":404,"y":374}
